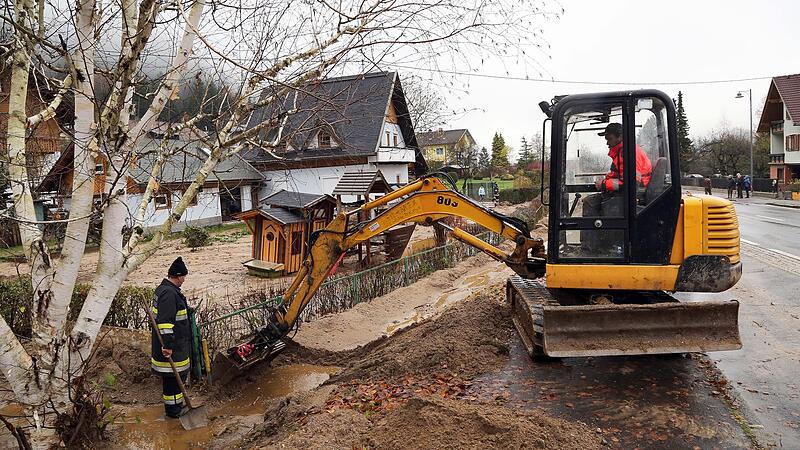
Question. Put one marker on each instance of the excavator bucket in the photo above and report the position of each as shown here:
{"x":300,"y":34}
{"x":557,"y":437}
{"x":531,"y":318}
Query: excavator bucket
{"x":666,"y":325}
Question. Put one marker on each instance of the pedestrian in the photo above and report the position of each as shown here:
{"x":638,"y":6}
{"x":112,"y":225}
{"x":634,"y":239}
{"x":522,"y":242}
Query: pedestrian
{"x":739,"y":185}
{"x":707,"y":185}
{"x":172,"y":318}
{"x":731,"y":185}
{"x":748,"y":185}
{"x":481,"y":192}
{"x":775,"y":187}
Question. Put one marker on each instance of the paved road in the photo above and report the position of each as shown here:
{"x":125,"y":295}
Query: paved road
{"x":766,"y":372}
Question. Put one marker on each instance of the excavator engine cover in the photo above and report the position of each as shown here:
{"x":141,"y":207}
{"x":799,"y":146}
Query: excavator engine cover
{"x":549,"y":326}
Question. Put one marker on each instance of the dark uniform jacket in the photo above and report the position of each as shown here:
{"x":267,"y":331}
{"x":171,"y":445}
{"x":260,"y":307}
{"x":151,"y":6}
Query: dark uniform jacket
{"x":172,"y":316}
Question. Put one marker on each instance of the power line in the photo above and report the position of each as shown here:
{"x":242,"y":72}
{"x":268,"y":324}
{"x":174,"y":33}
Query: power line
{"x":555,"y":81}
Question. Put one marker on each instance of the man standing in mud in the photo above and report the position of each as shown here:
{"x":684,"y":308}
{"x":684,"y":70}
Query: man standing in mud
{"x":172,"y":318}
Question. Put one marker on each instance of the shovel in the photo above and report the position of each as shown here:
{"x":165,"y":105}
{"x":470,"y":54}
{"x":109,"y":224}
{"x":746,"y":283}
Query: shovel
{"x":193,"y":417}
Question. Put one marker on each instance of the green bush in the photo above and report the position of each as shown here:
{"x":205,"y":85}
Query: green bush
{"x":16,"y":300}
{"x":195,"y":237}
{"x":515,"y":196}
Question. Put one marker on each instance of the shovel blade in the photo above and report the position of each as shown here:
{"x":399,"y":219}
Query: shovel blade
{"x":549,"y":328}
{"x":194,"y":418}
{"x":602,"y":330}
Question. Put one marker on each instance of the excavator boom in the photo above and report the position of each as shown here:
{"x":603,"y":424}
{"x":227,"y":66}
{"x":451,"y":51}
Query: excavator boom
{"x":425,"y":202}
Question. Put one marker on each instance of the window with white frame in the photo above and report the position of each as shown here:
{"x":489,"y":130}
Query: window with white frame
{"x":162,"y":200}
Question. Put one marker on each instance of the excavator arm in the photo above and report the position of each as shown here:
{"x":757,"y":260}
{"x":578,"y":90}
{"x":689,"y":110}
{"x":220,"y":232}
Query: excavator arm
{"x":425,"y":202}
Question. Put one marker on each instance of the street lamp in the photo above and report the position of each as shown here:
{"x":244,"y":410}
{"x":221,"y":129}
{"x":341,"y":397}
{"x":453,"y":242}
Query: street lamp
{"x":750,"y":95}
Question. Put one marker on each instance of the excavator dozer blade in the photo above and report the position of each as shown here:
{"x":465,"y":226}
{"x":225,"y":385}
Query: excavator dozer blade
{"x":550,"y":329}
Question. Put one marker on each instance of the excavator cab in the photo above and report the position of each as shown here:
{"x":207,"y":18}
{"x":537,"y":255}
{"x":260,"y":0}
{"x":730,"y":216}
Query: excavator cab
{"x":621,"y":209}
{"x":621,"y":237}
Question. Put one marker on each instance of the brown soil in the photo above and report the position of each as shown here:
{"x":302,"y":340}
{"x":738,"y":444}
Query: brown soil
{"x":413,"y":382}
{"x":216,"y":268}
{"x":369,"y":321}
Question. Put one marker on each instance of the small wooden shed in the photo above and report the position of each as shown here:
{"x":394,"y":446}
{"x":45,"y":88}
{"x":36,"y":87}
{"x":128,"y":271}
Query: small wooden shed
{"x":281,"y":226}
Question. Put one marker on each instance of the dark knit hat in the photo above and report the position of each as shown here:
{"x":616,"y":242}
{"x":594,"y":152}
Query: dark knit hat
{"x":177,"y":268}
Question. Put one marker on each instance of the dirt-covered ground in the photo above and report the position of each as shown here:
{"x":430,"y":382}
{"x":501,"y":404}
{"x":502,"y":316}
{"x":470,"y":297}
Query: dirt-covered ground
{"x":409,"y":390}
{"x":215,"y":268}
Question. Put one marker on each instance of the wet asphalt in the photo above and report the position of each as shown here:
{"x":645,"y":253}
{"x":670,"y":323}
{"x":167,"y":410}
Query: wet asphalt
{"x":765,"y":373}
{"x":646,"y":402}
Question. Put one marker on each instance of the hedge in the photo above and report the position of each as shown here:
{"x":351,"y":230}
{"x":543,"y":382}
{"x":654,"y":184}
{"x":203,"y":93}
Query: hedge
{"x":515,"y":196}
{"x":16,"y":298}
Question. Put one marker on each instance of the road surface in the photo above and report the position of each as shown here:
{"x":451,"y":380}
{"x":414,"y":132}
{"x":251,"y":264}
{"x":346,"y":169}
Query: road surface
{"x":766,"y":372}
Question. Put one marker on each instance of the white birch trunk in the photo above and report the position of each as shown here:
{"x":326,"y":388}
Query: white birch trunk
{"x":17,"y":365}
{"x":108,"y":279}
{"x":85,"y":149}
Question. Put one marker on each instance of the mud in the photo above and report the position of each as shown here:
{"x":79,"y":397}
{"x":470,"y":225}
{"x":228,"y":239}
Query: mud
{"x":147,"y":427}
{"x":406,"y":391}
{"x":467,"y":338}
{"x":426,"y":298}
{"x":653,"y":402}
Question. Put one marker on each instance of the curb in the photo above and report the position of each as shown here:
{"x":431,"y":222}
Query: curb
{"x":783,"y":205}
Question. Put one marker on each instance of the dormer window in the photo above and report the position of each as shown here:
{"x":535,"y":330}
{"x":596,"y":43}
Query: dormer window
{"x":324,"y":139}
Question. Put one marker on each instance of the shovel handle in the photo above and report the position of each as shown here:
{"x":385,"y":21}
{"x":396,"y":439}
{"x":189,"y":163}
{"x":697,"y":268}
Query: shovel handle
{"x":154,"y":324}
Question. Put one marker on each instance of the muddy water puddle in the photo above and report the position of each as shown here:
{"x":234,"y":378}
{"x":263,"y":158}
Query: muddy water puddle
{"x":468,"y":286}
{"x":147,"y":428}
{"x":653,"y":402}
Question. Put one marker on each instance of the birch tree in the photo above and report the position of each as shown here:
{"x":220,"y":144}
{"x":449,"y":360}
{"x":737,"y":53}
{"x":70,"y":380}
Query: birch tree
{"x":271,"y":51}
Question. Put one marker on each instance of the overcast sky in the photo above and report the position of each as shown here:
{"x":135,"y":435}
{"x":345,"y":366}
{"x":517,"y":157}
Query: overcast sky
{"x":644,"y":41}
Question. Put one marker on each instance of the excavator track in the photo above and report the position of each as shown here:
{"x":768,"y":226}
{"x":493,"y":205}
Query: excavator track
{"x":556,"y":324}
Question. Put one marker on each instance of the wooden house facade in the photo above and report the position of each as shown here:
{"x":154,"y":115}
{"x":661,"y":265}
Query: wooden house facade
{"x":281,"y":225}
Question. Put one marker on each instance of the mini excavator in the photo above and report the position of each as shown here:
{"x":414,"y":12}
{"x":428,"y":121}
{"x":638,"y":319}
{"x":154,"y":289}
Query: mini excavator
{"x":602,"y":284}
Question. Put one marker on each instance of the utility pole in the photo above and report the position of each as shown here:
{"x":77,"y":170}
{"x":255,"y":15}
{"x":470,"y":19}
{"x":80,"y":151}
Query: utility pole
{"x":750,"y":96}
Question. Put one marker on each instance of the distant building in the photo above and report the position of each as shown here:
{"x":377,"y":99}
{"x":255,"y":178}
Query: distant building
{"x":443,"y":146}
{"x":781,"y":119}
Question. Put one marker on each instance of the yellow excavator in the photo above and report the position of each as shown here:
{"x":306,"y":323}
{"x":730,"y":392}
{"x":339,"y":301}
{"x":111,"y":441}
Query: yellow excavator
{"x":602,"y":284}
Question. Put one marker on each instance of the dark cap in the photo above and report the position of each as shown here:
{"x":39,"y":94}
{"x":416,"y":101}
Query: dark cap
{"x":177,"y":268}
{"x":612,"y":128}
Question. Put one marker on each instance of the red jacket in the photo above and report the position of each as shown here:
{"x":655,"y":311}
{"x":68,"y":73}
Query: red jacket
{"x":644,"y":168}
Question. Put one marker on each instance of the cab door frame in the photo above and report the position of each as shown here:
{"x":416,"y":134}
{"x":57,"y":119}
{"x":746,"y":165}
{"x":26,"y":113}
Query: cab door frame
{"x":658,"y":219}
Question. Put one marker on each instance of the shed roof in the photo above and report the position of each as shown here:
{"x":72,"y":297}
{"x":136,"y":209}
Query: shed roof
{"x":281,"y":215}
{"x":291,"y":199}
{"x":362,"y":183}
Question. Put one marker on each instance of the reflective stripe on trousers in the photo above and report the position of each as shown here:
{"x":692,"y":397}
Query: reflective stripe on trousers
{"x":164,"y":367}
{"x":176,"y":399}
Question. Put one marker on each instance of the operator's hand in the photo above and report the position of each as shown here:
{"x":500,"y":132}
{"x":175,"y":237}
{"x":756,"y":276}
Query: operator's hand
{"x":598,"y":184}
{"x":166,"y":352}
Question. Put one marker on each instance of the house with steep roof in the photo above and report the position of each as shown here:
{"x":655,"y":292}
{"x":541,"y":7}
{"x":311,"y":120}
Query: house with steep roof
{"x":780,"y":118}
{"x":345,"y":124}
{"x":230,"y":188}
{"x":443,"y":146}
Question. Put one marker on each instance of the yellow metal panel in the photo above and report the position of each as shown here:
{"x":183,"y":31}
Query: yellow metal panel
{"x":693,"y":226}
{"x":624,"y":277}
{"x":676,"y":256}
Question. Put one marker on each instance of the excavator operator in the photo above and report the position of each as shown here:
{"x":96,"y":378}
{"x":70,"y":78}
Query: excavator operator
{"x":609,"y":202}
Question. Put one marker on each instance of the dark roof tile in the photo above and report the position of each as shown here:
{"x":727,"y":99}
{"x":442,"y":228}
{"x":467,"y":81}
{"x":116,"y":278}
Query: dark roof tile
{"x":439,"y":137}
{"x":789,"y":89}
{"x":362,"y":183}
{"x":281,"y":215}
{"x":290,"y":199}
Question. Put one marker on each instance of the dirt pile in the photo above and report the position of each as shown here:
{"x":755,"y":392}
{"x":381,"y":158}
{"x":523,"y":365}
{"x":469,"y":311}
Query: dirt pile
{"x":408,"y":391}
{"x":466,"y":339}
{"x":429,"y":422}
{"x":436,"y":423}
